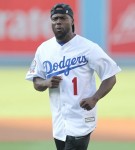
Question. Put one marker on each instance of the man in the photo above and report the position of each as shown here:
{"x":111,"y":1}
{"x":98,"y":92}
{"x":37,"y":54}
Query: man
{"x":66,"y":64}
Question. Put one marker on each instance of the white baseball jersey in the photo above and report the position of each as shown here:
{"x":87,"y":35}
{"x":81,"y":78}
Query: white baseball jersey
{"x":75,"y":61}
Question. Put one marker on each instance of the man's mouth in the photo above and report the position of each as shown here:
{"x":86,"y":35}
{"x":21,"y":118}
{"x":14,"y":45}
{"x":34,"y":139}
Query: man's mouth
{"x":58,"y":29}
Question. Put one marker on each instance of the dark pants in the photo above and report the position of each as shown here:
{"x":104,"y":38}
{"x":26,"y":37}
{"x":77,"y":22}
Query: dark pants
{"x":73,"y":143}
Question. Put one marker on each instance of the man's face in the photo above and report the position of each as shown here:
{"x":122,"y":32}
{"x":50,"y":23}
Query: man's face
{"x":61,"y":25}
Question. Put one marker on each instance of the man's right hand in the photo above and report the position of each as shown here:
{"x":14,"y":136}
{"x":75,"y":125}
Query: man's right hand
{"x":54,"y":81}
{"x":42,"y":84}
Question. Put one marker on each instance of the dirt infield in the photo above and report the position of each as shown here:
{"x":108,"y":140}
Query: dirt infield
{"x":41,"y":129}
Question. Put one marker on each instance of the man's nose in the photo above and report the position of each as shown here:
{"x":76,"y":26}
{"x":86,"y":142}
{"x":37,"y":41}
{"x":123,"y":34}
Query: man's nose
{"x":59,"y":21}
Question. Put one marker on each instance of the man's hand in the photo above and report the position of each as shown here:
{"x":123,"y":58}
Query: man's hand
{"x":42,"y":84}
{"x":54,"y":81}
{"x":88,"y":103}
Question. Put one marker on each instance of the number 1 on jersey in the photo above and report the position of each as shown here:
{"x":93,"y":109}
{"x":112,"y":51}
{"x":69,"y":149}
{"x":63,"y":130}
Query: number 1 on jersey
{"x":74,"y":81}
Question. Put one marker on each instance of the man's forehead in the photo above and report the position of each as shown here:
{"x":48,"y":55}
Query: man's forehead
{"x":60,"y":15}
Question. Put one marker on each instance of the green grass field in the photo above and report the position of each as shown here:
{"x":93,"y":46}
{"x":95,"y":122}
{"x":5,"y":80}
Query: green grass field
{"x":49,"y":145}
{"x":18,"y":99}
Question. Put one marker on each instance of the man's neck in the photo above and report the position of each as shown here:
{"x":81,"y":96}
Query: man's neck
{"x":66,"y":38}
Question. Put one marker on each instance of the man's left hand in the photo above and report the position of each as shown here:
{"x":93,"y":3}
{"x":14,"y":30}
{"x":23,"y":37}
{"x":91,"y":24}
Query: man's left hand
{"x":88,"y":103}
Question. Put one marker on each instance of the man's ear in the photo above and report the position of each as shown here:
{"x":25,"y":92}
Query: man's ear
{"x":72,"y":21}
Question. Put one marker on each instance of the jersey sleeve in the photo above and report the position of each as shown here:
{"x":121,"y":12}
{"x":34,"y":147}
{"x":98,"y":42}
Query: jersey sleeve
{"x":102,"y":64}
{"x":36,"y":68}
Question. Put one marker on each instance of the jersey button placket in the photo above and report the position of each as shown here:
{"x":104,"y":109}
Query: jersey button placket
{"x":63,"y":108}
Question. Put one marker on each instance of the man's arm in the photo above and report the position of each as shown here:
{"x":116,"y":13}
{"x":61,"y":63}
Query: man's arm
{"x":42,"y":84}
{"x":104,"y":88}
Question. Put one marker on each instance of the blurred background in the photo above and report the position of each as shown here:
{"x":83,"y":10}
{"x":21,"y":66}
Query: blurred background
{"x":25,"y":117}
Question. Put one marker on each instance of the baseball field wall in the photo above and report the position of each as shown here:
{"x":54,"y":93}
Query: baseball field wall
{"x":26,"y":24}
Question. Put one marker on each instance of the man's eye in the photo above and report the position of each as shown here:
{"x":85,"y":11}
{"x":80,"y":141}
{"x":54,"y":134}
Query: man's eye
{"x":54,"y":19}
{"x":62,"y":18}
